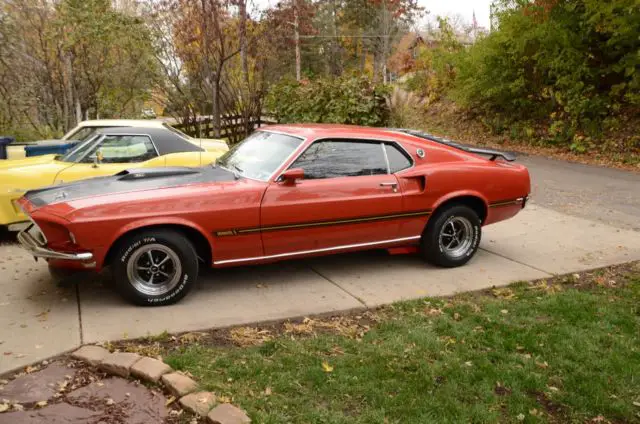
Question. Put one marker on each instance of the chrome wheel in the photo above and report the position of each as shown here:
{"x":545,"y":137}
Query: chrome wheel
{"x":456,"y":236}
{"x":154,"y":269}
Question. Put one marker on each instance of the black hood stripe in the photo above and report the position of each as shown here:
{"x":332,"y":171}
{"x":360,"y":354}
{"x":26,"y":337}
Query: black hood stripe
{"x":127,"y":181}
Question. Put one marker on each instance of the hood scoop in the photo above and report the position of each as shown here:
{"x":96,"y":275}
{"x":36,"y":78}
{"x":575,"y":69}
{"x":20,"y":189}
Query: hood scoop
{"x":146,"y":173}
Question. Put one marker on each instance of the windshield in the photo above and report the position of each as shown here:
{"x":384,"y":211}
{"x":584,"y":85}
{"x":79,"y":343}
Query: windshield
{"x":259,"y":155}
{"x":81,"y":150}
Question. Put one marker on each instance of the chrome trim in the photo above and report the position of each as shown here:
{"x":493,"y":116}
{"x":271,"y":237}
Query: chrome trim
{"x":326,"y":249}
{"x":350,"y":137}
{"x":19,"y":226}
{"x":31,"y":245}
{"x":106,"y":134}
{"x":386,"y":157}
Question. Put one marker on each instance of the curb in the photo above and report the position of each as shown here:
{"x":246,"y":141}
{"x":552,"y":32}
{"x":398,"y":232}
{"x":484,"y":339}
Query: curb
{"x":179,"y":386}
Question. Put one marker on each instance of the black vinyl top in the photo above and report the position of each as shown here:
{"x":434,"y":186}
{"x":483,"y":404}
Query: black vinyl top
{"x":166,"y":141}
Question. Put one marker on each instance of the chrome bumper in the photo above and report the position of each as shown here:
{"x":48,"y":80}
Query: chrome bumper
{"x":30,"y":244}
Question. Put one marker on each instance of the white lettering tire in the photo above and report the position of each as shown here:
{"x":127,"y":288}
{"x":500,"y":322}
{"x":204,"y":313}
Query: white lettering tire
{"x":155,"y":267}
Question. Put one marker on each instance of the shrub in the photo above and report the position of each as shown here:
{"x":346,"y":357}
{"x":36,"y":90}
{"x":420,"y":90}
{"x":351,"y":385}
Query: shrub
{"x":569,"y":63}
{"x":344,"y":100}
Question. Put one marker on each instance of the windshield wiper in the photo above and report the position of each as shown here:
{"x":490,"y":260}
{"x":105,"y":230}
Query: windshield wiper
{"x":236,"y":172}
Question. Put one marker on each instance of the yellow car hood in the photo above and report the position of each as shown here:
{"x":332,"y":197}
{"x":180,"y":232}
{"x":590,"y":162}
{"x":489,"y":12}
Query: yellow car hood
{"x":25,"y":174}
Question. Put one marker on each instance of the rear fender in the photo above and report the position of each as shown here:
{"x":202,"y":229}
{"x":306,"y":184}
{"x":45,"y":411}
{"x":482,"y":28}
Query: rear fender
{"x":461,"y":193}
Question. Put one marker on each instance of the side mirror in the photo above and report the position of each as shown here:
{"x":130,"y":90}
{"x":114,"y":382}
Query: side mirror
{"x":291,"y":175}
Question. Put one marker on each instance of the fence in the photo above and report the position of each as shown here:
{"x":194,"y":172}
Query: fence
{"x":232,"y":127}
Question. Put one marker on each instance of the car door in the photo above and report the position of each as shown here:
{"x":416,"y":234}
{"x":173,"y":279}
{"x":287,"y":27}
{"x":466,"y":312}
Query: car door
{"x":109,"y":155}
{"x":347,"y":197}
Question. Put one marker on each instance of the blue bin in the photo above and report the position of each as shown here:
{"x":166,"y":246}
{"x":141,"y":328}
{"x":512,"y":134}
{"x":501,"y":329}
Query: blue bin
{"x":49,"y":148}
{"x":4,"y":141}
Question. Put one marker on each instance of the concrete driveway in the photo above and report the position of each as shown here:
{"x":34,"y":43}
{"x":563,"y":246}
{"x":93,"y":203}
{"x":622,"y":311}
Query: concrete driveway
{"x":581,"y":218}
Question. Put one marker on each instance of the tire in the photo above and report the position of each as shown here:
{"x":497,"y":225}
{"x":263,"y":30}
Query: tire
{"x":439,"y":247}
{"x":173,"y":273}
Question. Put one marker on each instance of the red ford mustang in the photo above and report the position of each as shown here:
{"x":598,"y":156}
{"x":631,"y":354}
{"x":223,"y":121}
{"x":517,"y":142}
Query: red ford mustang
{"x":287,"y":191}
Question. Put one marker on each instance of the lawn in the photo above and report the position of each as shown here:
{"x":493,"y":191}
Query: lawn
{"x":562,"y":350}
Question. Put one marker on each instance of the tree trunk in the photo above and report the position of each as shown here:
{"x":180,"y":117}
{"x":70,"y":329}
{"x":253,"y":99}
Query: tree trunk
{"x":246,"y":93}
{"x":297,"y":39}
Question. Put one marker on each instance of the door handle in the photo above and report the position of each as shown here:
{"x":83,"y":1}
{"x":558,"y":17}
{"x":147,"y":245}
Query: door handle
{"x":393,"y":185}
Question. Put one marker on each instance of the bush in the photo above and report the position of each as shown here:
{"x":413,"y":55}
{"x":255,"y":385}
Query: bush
{"x":568,"y":63}
{"x":345,"y":100}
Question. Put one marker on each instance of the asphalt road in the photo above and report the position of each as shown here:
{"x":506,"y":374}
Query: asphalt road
{"x":600,"y":194}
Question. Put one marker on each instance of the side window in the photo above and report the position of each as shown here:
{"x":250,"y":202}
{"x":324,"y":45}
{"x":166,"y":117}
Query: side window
{"x":398,"y":160}
{"x":123,"y":149}
{"x":341,"y":158}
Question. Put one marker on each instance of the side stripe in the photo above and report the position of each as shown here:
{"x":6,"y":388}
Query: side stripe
{"x":235,"y":232}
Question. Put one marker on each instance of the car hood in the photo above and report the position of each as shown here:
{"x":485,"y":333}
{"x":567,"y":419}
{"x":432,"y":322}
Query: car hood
{"x":131,"y":180}
{"x":30,"y":173}
{"x":32,"y":161}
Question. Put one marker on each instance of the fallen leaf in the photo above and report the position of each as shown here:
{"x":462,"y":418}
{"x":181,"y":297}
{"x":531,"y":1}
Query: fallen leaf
{"x":41,"y":404}
{"x":505,"y":293}
{"x":456,"y":316}
{"x":326,"y":367}
{"x":520,"y":417}
{"x":110,"y":401}
{"x":170,"y":401}
{"x":504,"y":311}
{"x":18,"y":407}
{"x":469,"y":363}
{"x":224,"y":399}
{"x":4,"y":407}
{"x":542,"y":365}
{"x":636,"y":404}
{"x":267,"y":391}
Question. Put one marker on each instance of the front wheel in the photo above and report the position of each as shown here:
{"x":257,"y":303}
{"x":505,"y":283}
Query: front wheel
{"x":156,"y":267}
{"x":452,"y":236}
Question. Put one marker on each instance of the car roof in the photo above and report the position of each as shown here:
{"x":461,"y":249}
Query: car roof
{"x":166,"y":141}
{"x":146,"y":123}
{"x":337,"y":130}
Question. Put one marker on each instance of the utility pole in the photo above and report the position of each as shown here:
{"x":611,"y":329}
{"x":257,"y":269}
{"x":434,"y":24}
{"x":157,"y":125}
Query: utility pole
{"x":296,"y":38}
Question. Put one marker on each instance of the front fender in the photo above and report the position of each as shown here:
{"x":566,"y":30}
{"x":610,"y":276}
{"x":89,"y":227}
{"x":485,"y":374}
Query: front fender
{"x":152,"y":222}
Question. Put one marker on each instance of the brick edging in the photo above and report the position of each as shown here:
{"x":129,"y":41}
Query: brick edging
{"x":151,"y":370}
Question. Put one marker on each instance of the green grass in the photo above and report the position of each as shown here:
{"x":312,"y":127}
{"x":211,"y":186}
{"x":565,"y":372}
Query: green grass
{"x":531,"y":353}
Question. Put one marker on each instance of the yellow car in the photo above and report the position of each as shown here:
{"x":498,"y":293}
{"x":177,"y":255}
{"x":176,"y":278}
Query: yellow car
{"x":85,"y":129}
{"x":104,"y":151}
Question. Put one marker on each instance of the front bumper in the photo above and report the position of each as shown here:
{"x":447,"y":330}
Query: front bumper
{"x":38,"y":250}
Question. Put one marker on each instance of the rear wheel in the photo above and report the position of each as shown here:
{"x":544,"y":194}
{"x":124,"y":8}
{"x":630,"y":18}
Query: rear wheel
{"x":452,"y":236}
{"x":155,"y":267}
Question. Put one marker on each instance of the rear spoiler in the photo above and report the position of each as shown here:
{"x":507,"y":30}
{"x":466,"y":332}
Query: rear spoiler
{"x":494,"y":154}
